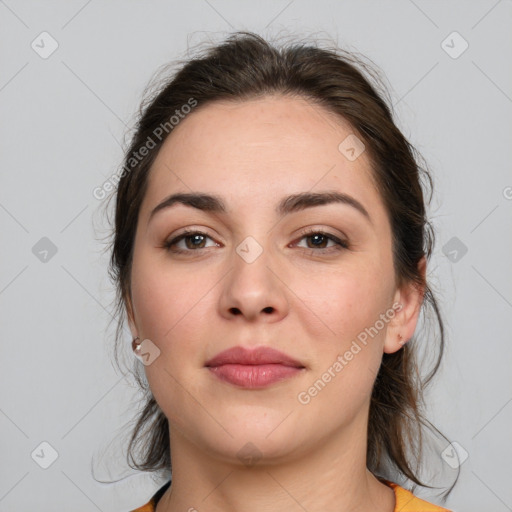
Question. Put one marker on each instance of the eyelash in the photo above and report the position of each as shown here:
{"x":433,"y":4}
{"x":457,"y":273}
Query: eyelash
{"x":340,"y":244}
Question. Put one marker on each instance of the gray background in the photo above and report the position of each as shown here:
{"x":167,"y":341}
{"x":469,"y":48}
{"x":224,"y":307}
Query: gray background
{"x":63,"y":120}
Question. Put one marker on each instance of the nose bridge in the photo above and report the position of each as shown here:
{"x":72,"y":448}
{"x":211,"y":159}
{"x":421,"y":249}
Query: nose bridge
{"x":251,"y":261}
{"x":250,"y":250}
{"x":252,"y":288}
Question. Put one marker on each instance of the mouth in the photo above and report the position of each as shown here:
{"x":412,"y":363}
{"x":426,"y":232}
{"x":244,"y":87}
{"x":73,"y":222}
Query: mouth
{"x":255,"y":368}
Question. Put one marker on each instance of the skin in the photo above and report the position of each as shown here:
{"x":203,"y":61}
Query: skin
{"x":307,"y":302}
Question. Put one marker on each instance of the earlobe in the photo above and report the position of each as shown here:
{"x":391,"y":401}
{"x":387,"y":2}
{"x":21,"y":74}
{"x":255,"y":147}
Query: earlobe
{"x":394,"y":343}
{"x":401,"y":328}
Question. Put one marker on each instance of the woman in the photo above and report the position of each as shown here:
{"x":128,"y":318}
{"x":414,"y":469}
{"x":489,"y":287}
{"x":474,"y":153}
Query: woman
{"x":270,"y":251}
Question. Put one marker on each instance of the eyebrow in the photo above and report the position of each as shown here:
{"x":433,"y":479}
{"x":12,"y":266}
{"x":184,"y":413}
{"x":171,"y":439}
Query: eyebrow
{"x":289,"y":204}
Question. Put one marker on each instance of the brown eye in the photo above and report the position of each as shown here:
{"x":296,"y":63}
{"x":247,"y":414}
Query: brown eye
{"x":192,"y":240}
{"x":319,"y":239}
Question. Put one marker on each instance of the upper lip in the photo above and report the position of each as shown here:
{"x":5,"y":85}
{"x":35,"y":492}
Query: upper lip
{"x":260,"y":355}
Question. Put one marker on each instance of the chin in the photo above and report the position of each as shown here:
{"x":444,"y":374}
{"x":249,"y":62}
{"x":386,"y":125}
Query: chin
{"x":265,"y":438}
{"x":254,"y":451}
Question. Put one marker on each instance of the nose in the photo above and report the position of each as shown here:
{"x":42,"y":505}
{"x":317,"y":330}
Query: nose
{"x":254,"y":290}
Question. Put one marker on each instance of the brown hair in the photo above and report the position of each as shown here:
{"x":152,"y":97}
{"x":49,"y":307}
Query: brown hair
{"x":246,"y":66}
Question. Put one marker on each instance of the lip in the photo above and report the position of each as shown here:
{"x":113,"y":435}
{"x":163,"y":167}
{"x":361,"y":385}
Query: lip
{"x":254,"y":368}
{"x":260,"y":355}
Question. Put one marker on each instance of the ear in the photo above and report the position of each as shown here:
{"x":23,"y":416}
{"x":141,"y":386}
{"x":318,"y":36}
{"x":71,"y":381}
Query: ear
{"x":131,"y":318}
{"x":401,"y":328}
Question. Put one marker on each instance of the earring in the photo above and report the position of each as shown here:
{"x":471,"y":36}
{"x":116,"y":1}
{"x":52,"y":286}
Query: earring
{"x":402,"y":342}
{"x":135,"y":345}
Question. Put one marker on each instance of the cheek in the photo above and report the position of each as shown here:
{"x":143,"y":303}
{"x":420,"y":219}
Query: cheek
{"x":169,"y":305}
{"x":343,"y":303}
{"x":347,"y":325}
{"x":164,"y":297}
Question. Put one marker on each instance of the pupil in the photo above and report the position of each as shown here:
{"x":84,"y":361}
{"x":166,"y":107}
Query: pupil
{"x":317,"y":238}
{"x":196,"y":238}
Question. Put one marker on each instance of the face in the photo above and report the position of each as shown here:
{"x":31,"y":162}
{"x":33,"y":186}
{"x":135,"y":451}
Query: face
{"x":309,"y":282}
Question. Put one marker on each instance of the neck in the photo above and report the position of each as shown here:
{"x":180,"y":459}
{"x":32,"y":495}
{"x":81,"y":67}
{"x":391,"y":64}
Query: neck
{"x":331,"y":477}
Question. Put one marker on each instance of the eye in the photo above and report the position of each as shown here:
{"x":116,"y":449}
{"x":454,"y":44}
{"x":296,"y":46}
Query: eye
{"x":196,"y":238}
{"x":320,"y":238}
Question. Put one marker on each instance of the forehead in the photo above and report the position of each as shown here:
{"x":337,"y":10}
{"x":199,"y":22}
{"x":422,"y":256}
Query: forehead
{"x":260,"y":149}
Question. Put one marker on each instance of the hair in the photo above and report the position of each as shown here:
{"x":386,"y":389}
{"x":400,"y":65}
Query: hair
{"x":245,"y":66}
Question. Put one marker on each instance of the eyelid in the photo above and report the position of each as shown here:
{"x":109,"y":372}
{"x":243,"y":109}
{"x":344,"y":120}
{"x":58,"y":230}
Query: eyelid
{"x":174,"y":239}
{"x":341,"y":243}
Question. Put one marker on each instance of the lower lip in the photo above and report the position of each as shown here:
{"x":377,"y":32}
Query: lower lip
{"x":253,"y":376}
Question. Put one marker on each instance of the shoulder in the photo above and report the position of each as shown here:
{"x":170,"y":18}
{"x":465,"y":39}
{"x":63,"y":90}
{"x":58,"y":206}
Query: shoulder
{"x":407,"y":502}
{"x":150,"y":506}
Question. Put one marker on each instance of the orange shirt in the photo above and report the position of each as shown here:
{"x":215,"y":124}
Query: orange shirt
{"x":405,"y":501}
